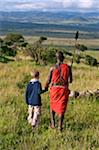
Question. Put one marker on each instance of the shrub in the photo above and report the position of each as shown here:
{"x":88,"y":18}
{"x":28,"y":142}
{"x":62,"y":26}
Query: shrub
{"x":42,"y":38}
{"x":81,"y":47}
{"x":89,"y":60}
{"x":23,"y":44}
{"x":12,"y":38}
{"x":7,"y":51}
{"x":1,"y":43}
{"x":49,"y":55}
{"x":1,"y":40}
{"x":3,"y":59}
{"x":67,"y":53}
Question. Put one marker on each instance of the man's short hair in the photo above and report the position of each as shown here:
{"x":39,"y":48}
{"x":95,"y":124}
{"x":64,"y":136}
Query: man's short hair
{"x":60,"y":56}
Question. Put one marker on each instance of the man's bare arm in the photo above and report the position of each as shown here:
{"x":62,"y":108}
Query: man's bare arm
{"x":48,"y":81}
{"x":70,"y":75}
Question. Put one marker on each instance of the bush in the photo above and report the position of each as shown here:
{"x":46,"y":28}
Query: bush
{"x":3,"y":59}
{"x":89,"y":60}
{"x":49,"y":55}
{"x":1,"y":43}
{"x":24,"y":44}
{"x":7,"y":51}
{"x":42,"y":38}
{"x":81,"y":47}
{"x":12,"y":38}
{"x":1,"y":40}
{"x":67,"y":53}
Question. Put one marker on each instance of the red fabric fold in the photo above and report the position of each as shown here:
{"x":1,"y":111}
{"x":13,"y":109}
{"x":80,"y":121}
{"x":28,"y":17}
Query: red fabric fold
{"x":58,"y":99}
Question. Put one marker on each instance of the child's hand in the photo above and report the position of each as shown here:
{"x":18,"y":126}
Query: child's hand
{"x":44,"y":90}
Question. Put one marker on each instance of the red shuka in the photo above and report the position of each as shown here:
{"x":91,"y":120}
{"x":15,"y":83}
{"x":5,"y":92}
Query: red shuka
{"x":59,"y":93}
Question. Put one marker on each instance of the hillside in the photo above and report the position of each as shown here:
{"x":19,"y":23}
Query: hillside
{"x":47,"y":16}
{"x":81,"y":122}
{"x":38,"y":23}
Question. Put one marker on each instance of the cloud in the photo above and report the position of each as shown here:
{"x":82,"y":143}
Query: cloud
{"x":22,"y":5}
{"x":49,"y":4}
{"x":64,"y":3}
{"x":27,"y":6}
{"x":84,"y":4}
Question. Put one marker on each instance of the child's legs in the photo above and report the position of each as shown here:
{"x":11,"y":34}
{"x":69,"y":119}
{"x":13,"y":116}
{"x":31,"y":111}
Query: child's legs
{"x":52,"y":113}
{"x":36,"y":116}
{"x":30,"y":112}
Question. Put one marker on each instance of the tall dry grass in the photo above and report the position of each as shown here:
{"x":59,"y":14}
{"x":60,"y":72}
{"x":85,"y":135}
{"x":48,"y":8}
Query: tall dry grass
{"x":81,"y":123}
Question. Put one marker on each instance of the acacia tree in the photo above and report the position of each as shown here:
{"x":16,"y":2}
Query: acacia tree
{"x":13,"y":38}
{"x":11,"y":43}
{"x":35,"y":50}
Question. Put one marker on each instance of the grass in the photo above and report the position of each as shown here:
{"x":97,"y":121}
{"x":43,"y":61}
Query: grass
{"x":81,"y":123}
{"x":94,"y":54}
{"x":90,"y":43}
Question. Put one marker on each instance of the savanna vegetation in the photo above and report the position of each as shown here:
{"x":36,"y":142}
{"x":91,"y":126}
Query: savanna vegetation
{"x":81,"y":123}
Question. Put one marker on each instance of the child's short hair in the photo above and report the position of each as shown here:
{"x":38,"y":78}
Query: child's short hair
{"x":35,"y":73}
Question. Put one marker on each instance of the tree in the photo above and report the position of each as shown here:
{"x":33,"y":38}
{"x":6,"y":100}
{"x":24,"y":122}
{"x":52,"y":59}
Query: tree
{"x":11,"y":44}
{"x":76,"y":35}
{"x":35,"y":50}
{"x":8,"y":46}
{"x":12,"y":38}
{"x":1,"y":42}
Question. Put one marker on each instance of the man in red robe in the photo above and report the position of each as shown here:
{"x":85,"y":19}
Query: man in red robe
{"x":59,"y":78}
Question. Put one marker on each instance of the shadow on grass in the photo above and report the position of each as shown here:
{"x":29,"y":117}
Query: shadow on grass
{"x":4,"y":59}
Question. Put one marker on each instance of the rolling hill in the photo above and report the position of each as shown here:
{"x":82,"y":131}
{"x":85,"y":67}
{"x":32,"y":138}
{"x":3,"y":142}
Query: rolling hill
{"x":37,"y":23}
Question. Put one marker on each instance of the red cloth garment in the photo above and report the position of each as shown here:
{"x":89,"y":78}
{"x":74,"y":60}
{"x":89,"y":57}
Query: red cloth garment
{"x":59,"y":91}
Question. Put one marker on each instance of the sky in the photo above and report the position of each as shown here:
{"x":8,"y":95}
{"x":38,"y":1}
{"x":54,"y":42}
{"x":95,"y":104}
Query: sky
{"x":46,"y":5}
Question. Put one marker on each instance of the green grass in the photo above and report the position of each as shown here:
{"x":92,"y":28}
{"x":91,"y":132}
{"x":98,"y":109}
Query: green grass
{"x":81,"y":123}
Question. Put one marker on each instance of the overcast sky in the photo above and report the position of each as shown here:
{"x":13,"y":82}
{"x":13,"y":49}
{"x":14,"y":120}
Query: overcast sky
{"x":26,"y":5}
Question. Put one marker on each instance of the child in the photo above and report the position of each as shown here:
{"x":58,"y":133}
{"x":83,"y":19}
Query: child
{"x":33,"y":98}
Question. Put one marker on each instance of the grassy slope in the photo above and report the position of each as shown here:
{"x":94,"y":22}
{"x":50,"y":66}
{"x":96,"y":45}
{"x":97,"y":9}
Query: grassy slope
{"x":81,"y":130}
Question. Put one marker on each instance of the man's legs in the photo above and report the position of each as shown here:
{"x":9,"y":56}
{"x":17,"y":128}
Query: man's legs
{"x":52,"y":113}
{"x":60,"y":121}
